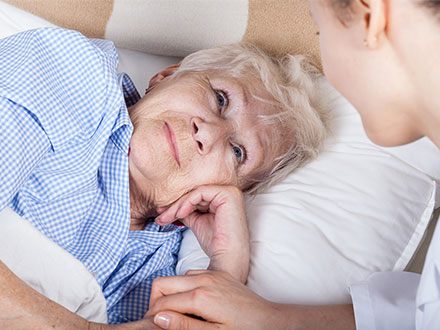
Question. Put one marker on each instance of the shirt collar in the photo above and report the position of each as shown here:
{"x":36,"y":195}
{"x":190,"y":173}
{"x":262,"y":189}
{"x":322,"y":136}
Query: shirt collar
{"x":123,"y":128}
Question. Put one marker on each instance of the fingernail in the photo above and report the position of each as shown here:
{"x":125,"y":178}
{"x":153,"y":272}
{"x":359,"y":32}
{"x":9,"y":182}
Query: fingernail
{"x":162,"y":320}
{"x":159,"y":220}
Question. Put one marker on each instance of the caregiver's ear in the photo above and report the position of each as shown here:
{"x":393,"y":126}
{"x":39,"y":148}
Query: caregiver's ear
{"x":158,"y":77}
{"x":375,"y":20}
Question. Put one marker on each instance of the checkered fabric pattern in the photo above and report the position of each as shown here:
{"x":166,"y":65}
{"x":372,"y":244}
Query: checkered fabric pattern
{"x":64,"y":139}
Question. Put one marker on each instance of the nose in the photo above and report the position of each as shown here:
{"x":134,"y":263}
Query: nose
{"x":207,"y":134}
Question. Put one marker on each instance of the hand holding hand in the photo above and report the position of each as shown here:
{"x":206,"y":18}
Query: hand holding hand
{"x":216,"y":215}
{"x":222,"y":301}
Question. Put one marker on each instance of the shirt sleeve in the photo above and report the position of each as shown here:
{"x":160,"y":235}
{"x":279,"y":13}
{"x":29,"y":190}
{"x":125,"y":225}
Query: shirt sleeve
{"x":23,"y":143}
{"x":386,"y":301}
{"x":54,"y":88}
{"x":428,"y":295}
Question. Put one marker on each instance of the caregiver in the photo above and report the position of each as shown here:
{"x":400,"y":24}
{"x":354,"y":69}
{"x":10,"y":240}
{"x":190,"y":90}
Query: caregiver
{"x":387,"y":66}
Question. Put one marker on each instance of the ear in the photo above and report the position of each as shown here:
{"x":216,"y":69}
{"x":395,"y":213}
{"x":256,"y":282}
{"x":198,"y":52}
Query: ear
{"x":375,"y":21}
{"x":158,"y":77}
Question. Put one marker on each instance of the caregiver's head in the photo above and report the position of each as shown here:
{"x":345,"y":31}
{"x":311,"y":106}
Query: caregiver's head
{"x":230,"y":115}
{"x":382,"y":55}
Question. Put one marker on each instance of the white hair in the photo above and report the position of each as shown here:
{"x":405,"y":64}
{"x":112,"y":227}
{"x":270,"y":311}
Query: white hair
{"x":291,"y":81}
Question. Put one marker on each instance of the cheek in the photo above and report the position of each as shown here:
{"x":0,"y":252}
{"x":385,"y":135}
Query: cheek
{"x":149,"y":148}
{"x":208,"y":171}
{"x":338,"y":59}
{"x":218,"y":169}
{"x":215,"y":170}
{"x":332,"y":67}
{"x":175,"y":186}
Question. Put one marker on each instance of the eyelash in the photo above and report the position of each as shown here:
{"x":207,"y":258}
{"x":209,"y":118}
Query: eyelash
{"x":225,"y":95}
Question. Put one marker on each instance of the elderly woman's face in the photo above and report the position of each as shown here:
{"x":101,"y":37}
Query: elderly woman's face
{"x":199,"y":129}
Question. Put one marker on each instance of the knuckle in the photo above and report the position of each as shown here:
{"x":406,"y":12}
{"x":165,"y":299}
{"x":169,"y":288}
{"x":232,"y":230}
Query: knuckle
{"x":157,"y":281}
{"x":235,"y":192}
{"x":207,"y":278}
{"x":155,"y":305}
{"x":191,"y":272}
{"x":198,"y":294}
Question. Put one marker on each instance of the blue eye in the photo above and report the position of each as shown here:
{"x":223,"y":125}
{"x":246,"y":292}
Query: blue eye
{"x":222,"y":99}
{"x":239,"y":153}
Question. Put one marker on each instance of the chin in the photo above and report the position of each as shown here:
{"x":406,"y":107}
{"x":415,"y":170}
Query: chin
{"x":392,"y":139}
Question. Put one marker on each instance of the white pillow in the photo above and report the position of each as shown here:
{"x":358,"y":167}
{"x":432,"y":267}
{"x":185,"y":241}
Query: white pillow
{"x":48,"y":268}
{"x":356,"y":209}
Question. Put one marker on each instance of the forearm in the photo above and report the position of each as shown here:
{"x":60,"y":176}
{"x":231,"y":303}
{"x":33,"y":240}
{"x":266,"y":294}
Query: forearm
{"x":332,"y":317}
{"x":21,"y":307}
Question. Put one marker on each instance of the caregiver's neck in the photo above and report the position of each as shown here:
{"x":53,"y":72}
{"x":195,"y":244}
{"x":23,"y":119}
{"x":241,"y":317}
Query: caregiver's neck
{"x":417,"y":48}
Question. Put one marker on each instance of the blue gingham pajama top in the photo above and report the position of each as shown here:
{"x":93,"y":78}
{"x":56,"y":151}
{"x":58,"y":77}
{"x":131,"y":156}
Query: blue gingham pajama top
{"x":64,"y":139}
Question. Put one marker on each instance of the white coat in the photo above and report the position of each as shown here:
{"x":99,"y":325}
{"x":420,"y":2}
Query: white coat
{"x":401,"y":300}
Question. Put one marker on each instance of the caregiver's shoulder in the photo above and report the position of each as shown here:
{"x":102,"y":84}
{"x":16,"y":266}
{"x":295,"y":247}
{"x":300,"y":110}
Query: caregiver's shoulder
{"x":52,"y":70}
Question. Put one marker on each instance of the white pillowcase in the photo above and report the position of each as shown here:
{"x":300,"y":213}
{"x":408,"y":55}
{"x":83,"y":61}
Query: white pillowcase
{"x":356,"y":209}
{"x":48,"y":268}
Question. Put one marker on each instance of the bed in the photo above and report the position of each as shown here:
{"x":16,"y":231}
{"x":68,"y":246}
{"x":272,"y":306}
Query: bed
{"x":356,"y":209}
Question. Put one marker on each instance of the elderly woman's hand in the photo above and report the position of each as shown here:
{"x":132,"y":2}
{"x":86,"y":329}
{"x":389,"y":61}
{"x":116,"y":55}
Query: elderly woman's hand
{"x":216,"y":215}
{"x":21,"y":307}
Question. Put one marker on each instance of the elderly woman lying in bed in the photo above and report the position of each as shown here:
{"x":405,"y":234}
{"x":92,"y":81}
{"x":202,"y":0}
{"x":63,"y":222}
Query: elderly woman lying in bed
{"x":90,"y":164}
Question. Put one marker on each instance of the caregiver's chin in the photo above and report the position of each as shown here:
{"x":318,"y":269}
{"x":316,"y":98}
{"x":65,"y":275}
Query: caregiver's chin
{"x":381,"y":65}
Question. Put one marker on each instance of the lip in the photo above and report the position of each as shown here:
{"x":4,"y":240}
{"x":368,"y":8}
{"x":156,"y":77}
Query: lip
{"x":171,"y":138}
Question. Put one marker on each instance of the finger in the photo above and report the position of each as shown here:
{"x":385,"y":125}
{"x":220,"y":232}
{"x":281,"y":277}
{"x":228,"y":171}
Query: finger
{"x":203,"y":198}
{"x":185,"y":206}
{"x":195,"y":201}
{"x":190,"y":302}
{"x":161,"y":209}
{"x":171,"y":320}
{"x":170,"y":215}
{"x":145,"y":323}
{"x":164,"y":286}
{"x":193,"y":272}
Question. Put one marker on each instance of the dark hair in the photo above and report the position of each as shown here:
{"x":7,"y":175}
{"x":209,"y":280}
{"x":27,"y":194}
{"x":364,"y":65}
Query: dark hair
{"x":432,"y":5}
{"x":344,"y":8}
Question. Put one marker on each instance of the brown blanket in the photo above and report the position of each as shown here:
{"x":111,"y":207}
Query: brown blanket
{"x":179,"y":27}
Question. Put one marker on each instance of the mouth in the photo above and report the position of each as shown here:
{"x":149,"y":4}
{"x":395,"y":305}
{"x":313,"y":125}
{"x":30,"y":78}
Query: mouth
{"x":171,"y":138}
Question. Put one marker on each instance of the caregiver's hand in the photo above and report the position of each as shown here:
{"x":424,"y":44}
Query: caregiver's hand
{"x":216,"y":215}
{"x":222,"y":301}
{"x":225,"y":303}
